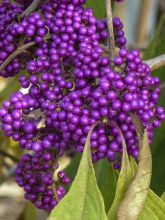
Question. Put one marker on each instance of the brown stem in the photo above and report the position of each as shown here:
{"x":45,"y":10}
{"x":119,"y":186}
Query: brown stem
{"x":32,"y":7}
{"x":19,"y":51}
{"x":55,"y":192}
{"x":111,"y":41}
{"x":156,"y":62}
{"x":9,"y":156}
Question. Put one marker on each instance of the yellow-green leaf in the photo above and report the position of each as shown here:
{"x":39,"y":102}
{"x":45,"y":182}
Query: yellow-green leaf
{"x":154,"y":208}
{"x":136,"y":195}
{"x":84,"y":200}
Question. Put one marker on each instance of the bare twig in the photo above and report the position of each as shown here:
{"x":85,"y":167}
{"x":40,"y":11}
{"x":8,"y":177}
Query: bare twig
{"x":6,"y":154}
{"x":19,"y":51}
{"x":33,"y":6}
{"x":111,"y":41}
{"x":156,"y":62}
{"x":55,"y":192}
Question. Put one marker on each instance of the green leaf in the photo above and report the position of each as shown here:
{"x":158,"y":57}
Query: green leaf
{"x":154,"y":208}
{"x":98,"y":7}
{"x":136,"y":195}
{"x":107,"y":180}
{"x":156,"y":204}
{"x":157,"y":47}
{"x":124,"y":180}
{"x":84,"y":200}
{"x":147,"y":213}
{"x":139,"y":201}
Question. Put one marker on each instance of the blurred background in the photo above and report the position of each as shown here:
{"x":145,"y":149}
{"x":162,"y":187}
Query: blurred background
{"x":144,"y":23}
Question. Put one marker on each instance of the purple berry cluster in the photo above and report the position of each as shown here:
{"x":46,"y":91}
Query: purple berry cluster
{"x":8,"y":13}
{"x":15,"y":33}
{"x":70,"y":86}
{"x":35,"y":174}
{"x":120,"y":40}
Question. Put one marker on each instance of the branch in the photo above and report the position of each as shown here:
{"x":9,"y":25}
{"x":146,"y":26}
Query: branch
{"x":55,"y":192}
{"x":156,"y":62}
{"x":32,"y":7}
{"x":19,"y":51}
{"x":111,"y":41}
{"x":9,"y":156}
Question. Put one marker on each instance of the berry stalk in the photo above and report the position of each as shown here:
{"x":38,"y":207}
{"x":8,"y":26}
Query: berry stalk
{"x":19,"y":51}
{"x":111,"y":41}
{"x":33,"y":6}
{"x":156,"y":62}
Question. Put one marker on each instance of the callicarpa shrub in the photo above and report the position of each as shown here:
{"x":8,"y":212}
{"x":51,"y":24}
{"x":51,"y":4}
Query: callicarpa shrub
{"x":70,"y":84}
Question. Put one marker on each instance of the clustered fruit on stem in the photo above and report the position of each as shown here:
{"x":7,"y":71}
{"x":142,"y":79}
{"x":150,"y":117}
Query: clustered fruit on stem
{"x":69,"y":86}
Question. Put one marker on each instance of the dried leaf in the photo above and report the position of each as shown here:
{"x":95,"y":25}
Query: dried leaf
{"x":136,"y":194}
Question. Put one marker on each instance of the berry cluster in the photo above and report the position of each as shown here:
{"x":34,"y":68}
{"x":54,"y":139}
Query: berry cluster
{"x":35,"y":174}
{"x":70,"y":85}
{"x":15,"y":33}
{"x":120,"y":40}
{"x":8,"y":13}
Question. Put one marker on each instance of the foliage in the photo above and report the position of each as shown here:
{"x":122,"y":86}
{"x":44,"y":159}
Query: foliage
{"x":84,"y":200}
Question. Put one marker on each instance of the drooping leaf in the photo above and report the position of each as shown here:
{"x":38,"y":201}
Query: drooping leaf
{"x":124,"y":180}
{"x":136,"y":195}
{"x":84,"y":200}
{"x":153,"y":209}
{"x":106,"y":179}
